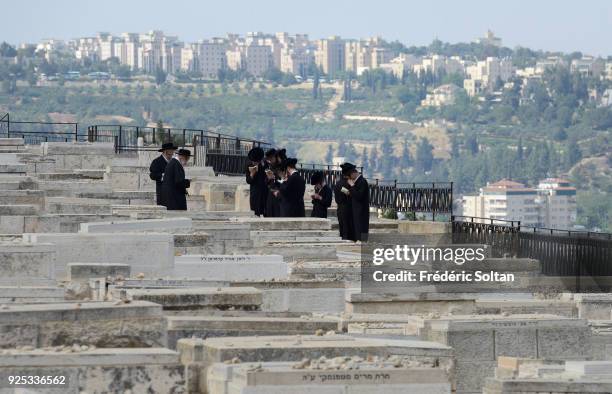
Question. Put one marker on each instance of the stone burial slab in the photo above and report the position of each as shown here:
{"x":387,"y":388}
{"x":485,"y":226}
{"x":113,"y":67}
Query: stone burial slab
{"x":229,"y":326}
{"x":197,"y":298}
{"x":151,"y":254}
{"x":154,"y":225}
{"x":411,"y":303}
{"x":521,"y":306}
{"x":300,"y":296}
{"x":284,"y":224}
{"x":97,"y":370}
{"x":341,"y":375}
{"x":302,"y":251}
{"x":31,"y":294}
{"x":27,"y":264}
{"x":103,"y":324}
{"x":478,"y":340}
{"x":23,"y":197}
{"x":230,"y":267}
{"x":594,"y":306}
{"x":198,"y":354}
{"x":84,"y":271}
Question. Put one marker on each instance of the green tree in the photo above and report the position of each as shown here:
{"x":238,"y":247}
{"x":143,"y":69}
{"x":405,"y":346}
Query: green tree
{"x":160,"y":76}
{"x":424,"y":155}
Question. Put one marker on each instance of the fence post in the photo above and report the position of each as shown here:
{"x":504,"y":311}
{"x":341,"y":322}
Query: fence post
{"x":154,"y":135}
{"x":184,"y":138}
{"x":237,"y":147}
{"x":76,"y":132}
{"x":8,"y":125}
{"x":451,"y":199}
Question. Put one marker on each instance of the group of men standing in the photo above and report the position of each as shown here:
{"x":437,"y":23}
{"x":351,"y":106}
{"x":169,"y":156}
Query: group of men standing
{"x":277,"y":190}
{"x":168,"y":172}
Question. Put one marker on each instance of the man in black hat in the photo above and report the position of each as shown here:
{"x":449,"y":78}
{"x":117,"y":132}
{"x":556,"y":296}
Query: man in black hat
{"x":292,"y":190}
{"x":257,"y":180}
{"x":359,"y":193}
{"x":344,"y":207}
{"x":272,"y":180}
{"x":158,"y":167}
{"x":174,"y":185}
{"x":322,"y":197}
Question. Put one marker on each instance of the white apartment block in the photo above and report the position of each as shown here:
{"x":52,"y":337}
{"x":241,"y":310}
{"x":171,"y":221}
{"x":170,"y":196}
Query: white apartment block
{"x":552,"y":204}
{"x":487,"y":72}
{"x":258,"y":59}
{"x":588,"y":66}
{"x":330,"y":55}
{"x":442,"y":95}
{"x":296,"y":61}
{"x":557,"y":200}
{"x":210,"y":57}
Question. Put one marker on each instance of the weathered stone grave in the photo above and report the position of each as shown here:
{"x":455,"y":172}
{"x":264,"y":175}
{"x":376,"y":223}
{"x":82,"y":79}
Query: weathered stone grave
{"x":103,"y":324}
{"x":477,"y":341}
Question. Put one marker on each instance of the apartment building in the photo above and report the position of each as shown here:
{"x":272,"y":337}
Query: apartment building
{"x":552,"y":204}
{"x":210,"y":57}
{"x":440,"y":96}
{"x":557,"y":200}
{"x":330,"y":55}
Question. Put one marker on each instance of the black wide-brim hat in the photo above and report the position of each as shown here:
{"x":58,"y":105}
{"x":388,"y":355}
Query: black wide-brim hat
{"x":256,"y":154}
{"x":168,"y":145}
{"x":317,"y":177}
{"x":184,"y":152}
{"x":348,"y":168}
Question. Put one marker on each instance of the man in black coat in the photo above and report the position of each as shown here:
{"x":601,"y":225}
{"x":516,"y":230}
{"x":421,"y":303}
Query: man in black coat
{"x":360,"y":201}
{"x":272,"y":180}
{"x":257,"y":180}
{"x":322,"y":197}
{"x":158,"y":167}
{"x":291,"y":191}
{"x":174,"y":185}
{"x":344,"y":208}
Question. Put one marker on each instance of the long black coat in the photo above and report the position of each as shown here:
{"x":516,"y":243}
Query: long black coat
{"x":292,"y":197}
{"x":319,"y":207}
{"x":156,"y":173}
{"x":258,"y":189}
{"x":272,"y":201}
{"x":174,"y":186}
{"x":344,"y":211}
{"x":360,"y":200}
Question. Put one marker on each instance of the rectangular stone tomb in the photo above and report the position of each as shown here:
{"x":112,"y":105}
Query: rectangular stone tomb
{"x":151,"y":254}
{"x":197,"y":354}
{"x":154,"y":225}
{"x":536,"y":376}
{"x":230,"y":267}
{"x":411,"y":303}
{"x":103,"y":324}
{"x":296,"y":348}
{"x":26,"y":264}
{"x":228,"y":326}
{"x":477,"y":341}
{"x":197,"y":298}
{"x":84,"y":370}
{"x":86,"y":271}
{"x":31,"y":294}
{"x":336,"y":376}
{"x":284,"y":224}
{"x":594,"y":306}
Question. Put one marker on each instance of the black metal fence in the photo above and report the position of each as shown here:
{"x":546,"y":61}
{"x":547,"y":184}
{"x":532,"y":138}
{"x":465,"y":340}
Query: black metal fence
{"x":34,"y":132}
{"x":561,"y":252}
{"x":435,"y":198}
{"x":226,"y":154}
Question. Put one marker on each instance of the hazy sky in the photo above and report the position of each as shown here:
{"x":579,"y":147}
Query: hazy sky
{"x":567,"y":25}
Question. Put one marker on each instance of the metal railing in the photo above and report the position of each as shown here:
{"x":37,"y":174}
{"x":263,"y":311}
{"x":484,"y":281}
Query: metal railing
{"x":560,"y":252}
{"x":34,"y":132}
{"x":434,"y":197}
{"x":226,"y":154}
